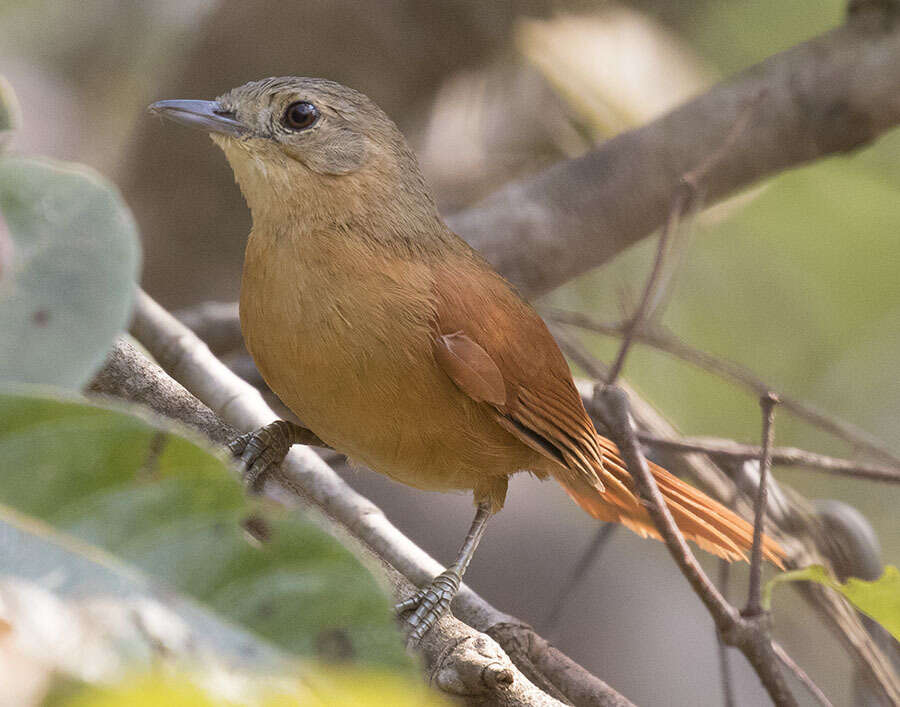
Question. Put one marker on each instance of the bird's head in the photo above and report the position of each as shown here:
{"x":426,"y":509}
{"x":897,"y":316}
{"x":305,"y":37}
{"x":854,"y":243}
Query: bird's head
{"x":309,"y":145}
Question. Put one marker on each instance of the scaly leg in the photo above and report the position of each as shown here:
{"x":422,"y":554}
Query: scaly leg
{"x":429,"y":603}
{"x":263,"y":450}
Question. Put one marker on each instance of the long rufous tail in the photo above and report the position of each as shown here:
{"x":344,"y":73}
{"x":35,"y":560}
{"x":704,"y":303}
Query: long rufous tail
{"x":708,"y":523}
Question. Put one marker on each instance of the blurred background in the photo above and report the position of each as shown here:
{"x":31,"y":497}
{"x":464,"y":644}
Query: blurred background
{"x":795,"y":279}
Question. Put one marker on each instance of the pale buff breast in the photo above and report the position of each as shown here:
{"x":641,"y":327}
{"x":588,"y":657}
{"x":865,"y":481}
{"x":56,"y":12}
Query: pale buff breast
{"x":349,"y":351}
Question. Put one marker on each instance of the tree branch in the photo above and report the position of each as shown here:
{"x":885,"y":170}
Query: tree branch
{"x":663,"y":340}
{"x":305,"y":475}
{"x":796,"y":527}
{"x":750,"y":634}
{"x":829,"y":95}
{"x":754,"y":598}
{"x":783,"y":456}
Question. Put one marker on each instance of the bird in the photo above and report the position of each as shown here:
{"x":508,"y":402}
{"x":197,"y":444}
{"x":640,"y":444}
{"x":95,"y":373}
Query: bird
{"x":395,"y":342}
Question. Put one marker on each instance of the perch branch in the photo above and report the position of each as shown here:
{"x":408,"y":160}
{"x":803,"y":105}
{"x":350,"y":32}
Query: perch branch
{"x":458,"y":659}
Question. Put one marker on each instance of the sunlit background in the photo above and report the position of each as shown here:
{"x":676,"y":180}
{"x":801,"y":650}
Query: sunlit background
{"x":796,"y":279}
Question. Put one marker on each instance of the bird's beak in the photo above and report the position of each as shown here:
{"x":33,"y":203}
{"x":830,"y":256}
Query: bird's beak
{"x":205,"y":115}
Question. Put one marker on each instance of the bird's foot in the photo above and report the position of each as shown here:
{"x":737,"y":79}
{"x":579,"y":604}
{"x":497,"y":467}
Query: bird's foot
{"x":262,"y":451}
{"x":426,"y":606}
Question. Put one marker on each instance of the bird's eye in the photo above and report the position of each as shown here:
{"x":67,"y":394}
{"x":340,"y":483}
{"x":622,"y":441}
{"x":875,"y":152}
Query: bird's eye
{"x":300,"y":115}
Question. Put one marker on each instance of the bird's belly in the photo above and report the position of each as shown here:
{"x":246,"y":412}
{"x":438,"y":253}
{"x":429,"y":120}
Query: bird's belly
{"x":375,"y":392}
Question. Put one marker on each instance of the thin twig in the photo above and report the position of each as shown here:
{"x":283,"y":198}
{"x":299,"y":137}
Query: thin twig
{"x":800,"y":674}
{"x":644,"y":309}
{"x":724,"y":663}
{"x":685,"y":196}
{"x":584,"y":563}
{"x":577,"y":351}
{"x":783,"y":456}
{"x":621,"y":427}
{"x":754,"y":595}
{"x":748,"y":634}
{"x":659,"y":338}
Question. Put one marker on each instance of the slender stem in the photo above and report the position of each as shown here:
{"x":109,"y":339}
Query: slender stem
{"x":751,"y":635}
{"x":783,"y":456}
{"x":754,"y":603}
{"x":724,"y":663}
{"x":644,"y":309}
{"x":621,"y":428}
{"x":800,"y":674}
{"x":659,"y":338}
{"x":579,"y":572}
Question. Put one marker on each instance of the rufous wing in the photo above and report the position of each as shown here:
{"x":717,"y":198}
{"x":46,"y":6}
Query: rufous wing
{"x":470,"y":367}
{"x":497,"y":350}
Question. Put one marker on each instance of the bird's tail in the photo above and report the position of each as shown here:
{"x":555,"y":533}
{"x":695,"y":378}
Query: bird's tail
{"x":708,"y":523}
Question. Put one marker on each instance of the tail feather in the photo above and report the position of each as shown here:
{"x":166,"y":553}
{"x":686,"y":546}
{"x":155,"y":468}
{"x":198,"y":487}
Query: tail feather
{"x":709,"y":524}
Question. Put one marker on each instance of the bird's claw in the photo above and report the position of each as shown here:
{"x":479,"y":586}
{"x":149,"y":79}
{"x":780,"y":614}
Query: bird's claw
{"x":261,"y":451}
{"x":428,"y":604}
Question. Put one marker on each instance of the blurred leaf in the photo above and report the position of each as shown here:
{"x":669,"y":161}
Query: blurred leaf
{"x":879,"y":599}
{"x":33,"y":555}
{"x":172,"y":508}
{"x":10,"y":114}
{"x":68,"y":283}
{"x":71,"y":611}
{"x":375,"y":688}
{"x":616,"y":68}
{"x":328,"y":687}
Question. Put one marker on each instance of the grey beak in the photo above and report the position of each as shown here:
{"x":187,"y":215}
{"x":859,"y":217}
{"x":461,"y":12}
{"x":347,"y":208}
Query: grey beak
{"x":205,"y":115}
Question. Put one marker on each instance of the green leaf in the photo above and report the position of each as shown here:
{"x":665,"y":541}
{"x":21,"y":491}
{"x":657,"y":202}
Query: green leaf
{"x":68,"y":271}
{"x":879,"y":600}
{"x":66,"y":586}
{"x":170,"y":507}
{"x":327,"y":687}
{"x":10,"y":115}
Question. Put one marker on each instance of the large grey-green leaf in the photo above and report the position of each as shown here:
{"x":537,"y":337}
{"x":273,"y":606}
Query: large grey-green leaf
{"x":69,"y":271}
{"x":9,"y":112}
{"x":170,"y":507}
{"x":45,"y":567}
{"x":83,"y":629}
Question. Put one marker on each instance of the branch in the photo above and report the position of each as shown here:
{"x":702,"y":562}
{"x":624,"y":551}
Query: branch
{"x":829,"y":95}
{"x":800,"y":674}
{"x":783,"y":456}
{"x":458,"y":659}
{"x":632,"y":328}
{"x":305,"y":475}
{"x":217,"y":323}
{"x":754,"y":599}
{"x":724,"y":662}
{"x":796,"y":527}
{"x":749,"y":634}
{"x":663,"y":340}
